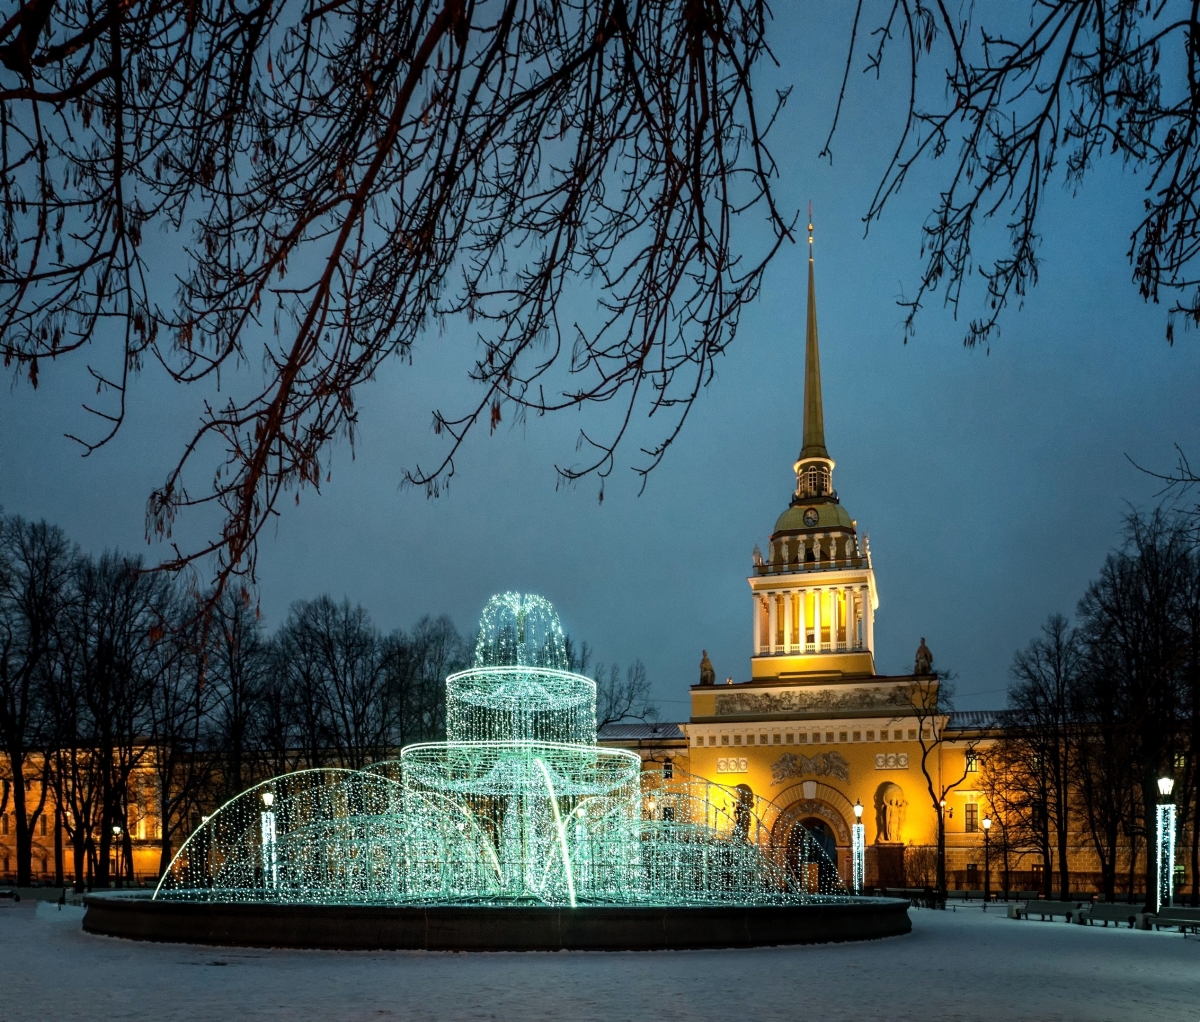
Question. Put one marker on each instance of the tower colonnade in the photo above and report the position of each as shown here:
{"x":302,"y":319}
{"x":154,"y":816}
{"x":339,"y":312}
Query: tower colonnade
{"x":833,"y":617}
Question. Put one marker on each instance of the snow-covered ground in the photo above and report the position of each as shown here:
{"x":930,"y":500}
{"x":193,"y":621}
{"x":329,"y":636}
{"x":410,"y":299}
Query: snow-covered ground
{"x":954,"y":965}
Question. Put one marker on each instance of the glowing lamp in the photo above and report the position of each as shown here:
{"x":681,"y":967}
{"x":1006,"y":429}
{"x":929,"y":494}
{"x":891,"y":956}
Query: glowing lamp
{"x":1165,"y":786}
{"x":116,"y":830}
{"x":987,"y":823}
{"x":858,"y":850}
{"x":268,"y":798}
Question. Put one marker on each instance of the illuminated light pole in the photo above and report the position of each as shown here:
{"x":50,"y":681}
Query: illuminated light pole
{"x":987,"y":864}
{"x":1166,"y":843}
{"x":117,"y":852}
{"x":858,"y":849}
{"x":270,"y":866}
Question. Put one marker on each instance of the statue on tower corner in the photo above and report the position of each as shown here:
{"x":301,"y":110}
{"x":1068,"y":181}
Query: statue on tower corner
{"x":707,"y":675}
{"x":757,"y":556}
{"x":924,"y":661}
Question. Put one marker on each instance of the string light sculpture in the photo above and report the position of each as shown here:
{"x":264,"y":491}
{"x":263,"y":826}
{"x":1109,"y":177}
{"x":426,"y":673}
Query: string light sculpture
{"x":518,"y":806}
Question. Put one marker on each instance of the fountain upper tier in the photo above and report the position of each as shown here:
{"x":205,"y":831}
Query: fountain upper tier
{"x":520,"y":704}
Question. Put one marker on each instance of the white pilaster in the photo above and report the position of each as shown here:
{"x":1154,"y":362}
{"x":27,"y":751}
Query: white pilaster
{"x":757,"y":624}
{"x":772,"y":618}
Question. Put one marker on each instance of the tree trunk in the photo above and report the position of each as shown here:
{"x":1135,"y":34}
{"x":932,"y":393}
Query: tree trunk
{"x":1064,"y":871}
{"x":1150,"y":801}
{"x":1133,"y":850}
{"x":24,"y":834}
{"x":101,"y":868}
{"x":1047,"y":860}
{"x":1196,"y":851}
{"x":127,"y":840}
{"x":58,"y":846}
{"x":79,"y":854}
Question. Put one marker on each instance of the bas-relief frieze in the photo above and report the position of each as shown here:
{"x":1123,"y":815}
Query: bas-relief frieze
{"x":824,"y":764}
{"x":878,"y":697}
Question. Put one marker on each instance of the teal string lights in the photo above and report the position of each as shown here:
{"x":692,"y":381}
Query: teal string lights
{"x":519,"y":806}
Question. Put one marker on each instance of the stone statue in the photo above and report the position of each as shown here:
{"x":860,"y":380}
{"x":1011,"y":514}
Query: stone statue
{"x":707,"y":675}
{"x":757,"y":556}
{"x":924,"y":661}
{"x":890,"y":809}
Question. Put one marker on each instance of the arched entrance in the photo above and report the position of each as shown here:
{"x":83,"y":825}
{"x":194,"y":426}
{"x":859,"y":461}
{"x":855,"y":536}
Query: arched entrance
{"x":822,"y":811}
{"x":812,"y":854}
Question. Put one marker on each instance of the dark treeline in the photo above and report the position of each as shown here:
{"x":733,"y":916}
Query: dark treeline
{"x":1101,"y":710}
{"x":125,"y":697}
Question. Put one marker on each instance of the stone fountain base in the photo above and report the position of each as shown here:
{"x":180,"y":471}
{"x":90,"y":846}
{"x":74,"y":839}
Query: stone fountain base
{"x":492,"y":928}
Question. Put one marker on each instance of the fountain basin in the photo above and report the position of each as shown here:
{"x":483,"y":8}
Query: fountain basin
{"x":492,"y":927}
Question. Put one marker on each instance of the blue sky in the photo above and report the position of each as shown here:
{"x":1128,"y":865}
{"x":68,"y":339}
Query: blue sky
{"x":991,"y":484}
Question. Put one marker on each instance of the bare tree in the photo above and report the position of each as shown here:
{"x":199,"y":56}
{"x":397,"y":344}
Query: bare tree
{"x":931,"y":704}
{"x":119,"y":616}
{"x":1041,"y":729}
{"x":1007,"y":833}
{"x":35,"y":571}
{"x":423,"y":659}
{"x":351,"y":177}
{"x":181,"y":710}
{"x":623,"y":696}
{"x":1019,"y":98}
{"x":1132,"y":611}
{"x":236,"y":662}
{"x":1105,"y":756}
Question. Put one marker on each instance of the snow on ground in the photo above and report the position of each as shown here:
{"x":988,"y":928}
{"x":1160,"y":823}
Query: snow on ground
{"x":954,"y":965}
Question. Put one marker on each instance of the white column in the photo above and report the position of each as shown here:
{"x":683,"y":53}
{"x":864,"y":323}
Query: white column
{"x":772,"y":612}
{"x":869,"y":618}
{"x":801,"y":598}
{"x":849,"y":617}
{"x":855,"y":618}
{"x":817,"y":618}
{"x":757,"y":646}
{"x":787,"y":621}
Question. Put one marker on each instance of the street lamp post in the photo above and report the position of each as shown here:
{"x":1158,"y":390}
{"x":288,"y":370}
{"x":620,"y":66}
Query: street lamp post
{"x":1166,"y":842}
{"x":117,"y":853}
{"x":270,"y":866}
{"x":987,"y":863}
{"x":858,"y":849}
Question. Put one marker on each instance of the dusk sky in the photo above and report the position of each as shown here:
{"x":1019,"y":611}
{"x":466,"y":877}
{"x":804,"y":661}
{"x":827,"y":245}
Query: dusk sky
{"x":991,"y":484}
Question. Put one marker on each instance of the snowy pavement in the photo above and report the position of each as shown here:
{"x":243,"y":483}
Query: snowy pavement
{"x":954,"y":965}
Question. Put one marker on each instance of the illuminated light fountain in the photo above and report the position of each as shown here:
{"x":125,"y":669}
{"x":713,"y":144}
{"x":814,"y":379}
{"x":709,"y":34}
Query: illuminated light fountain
{"x":519,"y":809}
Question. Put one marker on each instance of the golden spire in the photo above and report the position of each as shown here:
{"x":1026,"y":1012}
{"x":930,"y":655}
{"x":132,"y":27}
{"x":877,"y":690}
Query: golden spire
{"x":814,"y":413}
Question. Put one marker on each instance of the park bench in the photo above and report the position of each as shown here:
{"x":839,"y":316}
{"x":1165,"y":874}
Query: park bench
{"x":1045,"y":909}
{"x":1107,"y":912}
{"x":1185,"y":918}
{"x":10,"y":893}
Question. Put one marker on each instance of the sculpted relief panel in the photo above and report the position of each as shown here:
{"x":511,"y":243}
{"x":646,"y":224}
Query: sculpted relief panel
{"x":824,"y":764}
{"x":862,"y":697}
